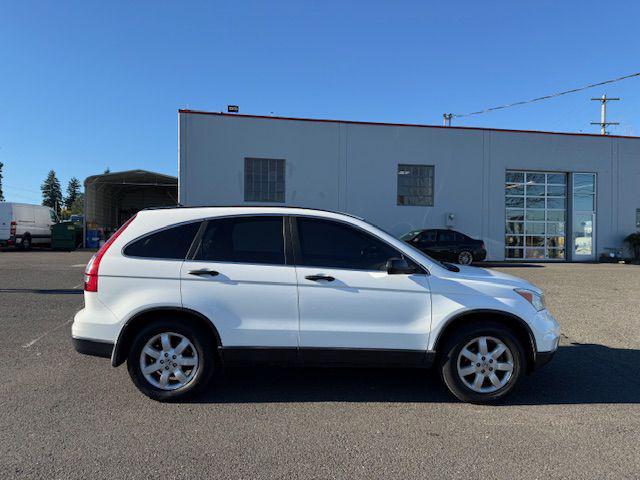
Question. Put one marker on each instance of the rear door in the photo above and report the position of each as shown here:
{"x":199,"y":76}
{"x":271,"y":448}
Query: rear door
{"x":5,"y":220}
{"x":240,"y":278}
{"x":347,"y":299}
{"x":25,"y":220}
{"x":446,"y":244}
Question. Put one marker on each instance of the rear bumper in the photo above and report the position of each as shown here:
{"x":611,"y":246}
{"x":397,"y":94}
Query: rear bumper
{"x":93,"y":347}
{"x":480,"y":255}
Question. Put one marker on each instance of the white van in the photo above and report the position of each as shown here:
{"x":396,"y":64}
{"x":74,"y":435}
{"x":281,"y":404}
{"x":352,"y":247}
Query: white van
{"x":23,"y":225}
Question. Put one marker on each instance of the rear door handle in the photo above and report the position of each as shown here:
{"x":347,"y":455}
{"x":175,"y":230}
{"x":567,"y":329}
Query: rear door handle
{"x":315,"y":278}
{"x":204,"y":271}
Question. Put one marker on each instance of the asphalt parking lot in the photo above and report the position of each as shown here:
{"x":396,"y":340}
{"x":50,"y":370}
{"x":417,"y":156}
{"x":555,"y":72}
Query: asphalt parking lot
{"x":69,"y":416}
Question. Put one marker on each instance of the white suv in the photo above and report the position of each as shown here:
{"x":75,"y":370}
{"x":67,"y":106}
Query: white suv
{"x":178,"y":293}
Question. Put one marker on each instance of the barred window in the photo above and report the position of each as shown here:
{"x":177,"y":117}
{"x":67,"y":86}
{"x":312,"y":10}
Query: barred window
{"x":415,"y":185}
{"x":263,"y":180}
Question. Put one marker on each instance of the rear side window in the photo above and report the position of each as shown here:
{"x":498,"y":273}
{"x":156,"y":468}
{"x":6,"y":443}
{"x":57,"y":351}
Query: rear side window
{"x":324,"y":243}
{"x":446,"y":236}
{"x":243,"y":240}
{"x":428,"y":236}
{"x":171,"y":243}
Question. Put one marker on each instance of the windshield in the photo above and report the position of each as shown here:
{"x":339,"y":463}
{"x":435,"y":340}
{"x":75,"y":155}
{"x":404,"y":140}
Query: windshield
{"x":409,"y":235}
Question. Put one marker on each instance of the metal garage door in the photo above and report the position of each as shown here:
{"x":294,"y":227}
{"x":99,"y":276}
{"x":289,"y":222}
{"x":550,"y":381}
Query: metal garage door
{"x":536,"y":215}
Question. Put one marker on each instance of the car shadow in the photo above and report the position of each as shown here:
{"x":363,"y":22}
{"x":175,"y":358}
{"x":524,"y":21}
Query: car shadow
{"x":18,"y":250}
{"x":507,"y":265}
{"x":579,"y":374}
{"x":45,"y":291}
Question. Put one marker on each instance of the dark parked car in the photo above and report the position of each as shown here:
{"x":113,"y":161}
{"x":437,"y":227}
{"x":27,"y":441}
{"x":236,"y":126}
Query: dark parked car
{"x":447,"y":245}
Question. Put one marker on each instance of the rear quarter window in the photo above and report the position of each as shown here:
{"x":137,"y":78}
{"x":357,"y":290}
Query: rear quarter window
{"x":172,"y":243}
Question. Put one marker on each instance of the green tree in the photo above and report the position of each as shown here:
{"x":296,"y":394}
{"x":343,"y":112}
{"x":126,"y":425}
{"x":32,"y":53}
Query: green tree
{"x":73,"y":190}
{"x":77,"y":207}
{"x":1,"y":193}
{"x":51,"y":192}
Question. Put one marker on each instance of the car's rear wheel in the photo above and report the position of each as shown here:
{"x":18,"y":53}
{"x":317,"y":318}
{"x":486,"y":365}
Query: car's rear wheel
{"x":26,"y":242}
{"x":170,"y":360}
{"x":465,"y":257}
{"x":482,"y":362}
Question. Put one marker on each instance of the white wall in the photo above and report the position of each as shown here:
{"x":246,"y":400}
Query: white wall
{"x":353,"y":168}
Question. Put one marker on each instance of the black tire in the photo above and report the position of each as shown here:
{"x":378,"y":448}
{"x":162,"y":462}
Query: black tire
{"x":465,"y":257}
{"x":448,"y":359}
{"x":201,"y":340}
{"x":26,"y":242}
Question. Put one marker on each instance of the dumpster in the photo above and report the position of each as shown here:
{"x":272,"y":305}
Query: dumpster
{"x":66,"y":236}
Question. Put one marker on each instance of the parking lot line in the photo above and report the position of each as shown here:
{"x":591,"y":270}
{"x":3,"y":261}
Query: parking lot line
{"x":37,"y":339}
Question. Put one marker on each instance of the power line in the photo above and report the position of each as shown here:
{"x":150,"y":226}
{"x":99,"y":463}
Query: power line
{"x":546,"y":97}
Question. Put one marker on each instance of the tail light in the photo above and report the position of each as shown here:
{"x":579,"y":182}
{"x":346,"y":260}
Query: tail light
{"x":91,"y":272}
{"x":12,"y":230}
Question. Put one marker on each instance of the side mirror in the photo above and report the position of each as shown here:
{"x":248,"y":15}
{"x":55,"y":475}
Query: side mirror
{"x":399,"y":266}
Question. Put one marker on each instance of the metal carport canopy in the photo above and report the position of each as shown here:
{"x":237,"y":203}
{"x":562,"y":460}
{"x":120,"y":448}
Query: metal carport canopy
{"x":110,"y":197}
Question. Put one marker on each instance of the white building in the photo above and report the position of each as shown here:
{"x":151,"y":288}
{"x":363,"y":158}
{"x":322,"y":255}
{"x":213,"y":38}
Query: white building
{"x":529,"y":195}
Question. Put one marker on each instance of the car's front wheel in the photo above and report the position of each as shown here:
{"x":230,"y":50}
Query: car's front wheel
{"x":170,"y":360}
{"x":482,"y":362}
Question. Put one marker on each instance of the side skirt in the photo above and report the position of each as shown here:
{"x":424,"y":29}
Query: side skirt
{"x":326,"y":357}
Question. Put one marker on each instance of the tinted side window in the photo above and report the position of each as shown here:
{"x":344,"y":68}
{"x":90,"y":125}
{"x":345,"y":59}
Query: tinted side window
{"x":428,"y":236}
{"x":172,"y":243}
{"x":324,"y":243}
{"x":243,"y":240}
{"x":446,"y":236}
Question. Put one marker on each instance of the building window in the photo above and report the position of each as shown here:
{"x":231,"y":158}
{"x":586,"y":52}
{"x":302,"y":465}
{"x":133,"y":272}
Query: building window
{"x":415,"y":185}
{"x":263,"y":180}
{"x":535,"y":215}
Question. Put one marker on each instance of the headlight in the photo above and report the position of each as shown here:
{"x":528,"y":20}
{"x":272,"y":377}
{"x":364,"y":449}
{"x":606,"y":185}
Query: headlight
{"x":534,"y":298}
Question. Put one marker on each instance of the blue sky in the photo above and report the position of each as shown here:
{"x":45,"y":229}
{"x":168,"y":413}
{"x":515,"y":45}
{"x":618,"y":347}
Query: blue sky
{"x":85,"y":85}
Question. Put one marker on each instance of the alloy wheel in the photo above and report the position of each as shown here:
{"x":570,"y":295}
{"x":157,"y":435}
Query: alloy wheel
{"x":485,"y":364}
{"x":169,"y":361}
{"x":465,"y":258}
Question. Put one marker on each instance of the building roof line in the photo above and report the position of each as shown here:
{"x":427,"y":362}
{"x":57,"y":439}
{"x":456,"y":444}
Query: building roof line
{"x":384,"y":124}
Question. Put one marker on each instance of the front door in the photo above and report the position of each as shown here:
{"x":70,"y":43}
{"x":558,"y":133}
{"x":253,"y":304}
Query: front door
{"x":347,"y":300}
{"x":426,"y":241}
{"x":241,"y":280}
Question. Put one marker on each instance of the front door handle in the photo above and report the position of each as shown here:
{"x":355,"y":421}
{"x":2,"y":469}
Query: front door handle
{"x":204,"y":271}
{"x":315,"y":278}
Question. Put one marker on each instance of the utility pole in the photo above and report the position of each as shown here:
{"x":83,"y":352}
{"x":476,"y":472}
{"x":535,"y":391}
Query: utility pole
{"x":446,"y":119}
{"x":603,"y":114}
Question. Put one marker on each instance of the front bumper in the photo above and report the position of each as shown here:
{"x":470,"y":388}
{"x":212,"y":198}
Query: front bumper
{"x":542,"y":358}
{"x":546,"y":331}
{"x":547,"y":334}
